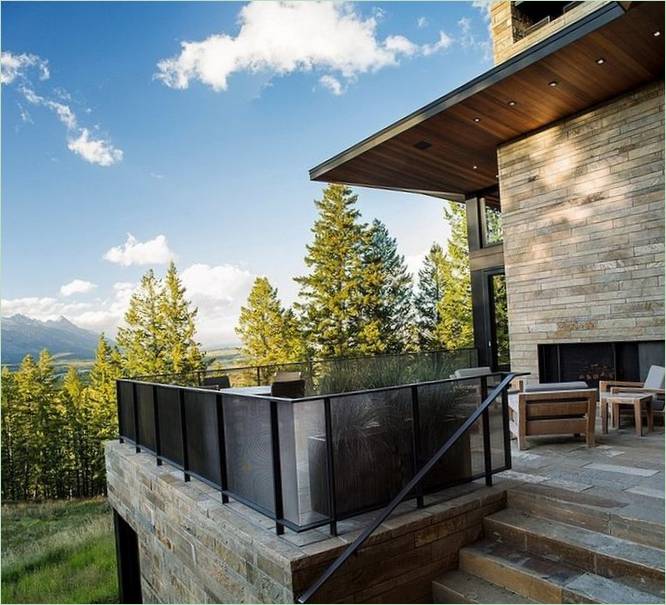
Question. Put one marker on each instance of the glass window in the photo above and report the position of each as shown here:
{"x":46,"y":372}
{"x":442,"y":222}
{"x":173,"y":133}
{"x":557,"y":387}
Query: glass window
{"x":491,"y":217}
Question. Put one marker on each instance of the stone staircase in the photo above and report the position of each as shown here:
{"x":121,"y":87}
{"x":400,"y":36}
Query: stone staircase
{"x":547,"y":548}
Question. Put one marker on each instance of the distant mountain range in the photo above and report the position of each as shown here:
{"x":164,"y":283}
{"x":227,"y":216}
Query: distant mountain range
{"x":23,"y":335}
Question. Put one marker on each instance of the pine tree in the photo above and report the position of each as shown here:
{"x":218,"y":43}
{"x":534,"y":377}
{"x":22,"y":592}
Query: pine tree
{"x":330,"y":295}
{"x":387,"y":291}
{"x":455,"y":328}
{"x":100,"y":396}
{"x":142,"y":339}
{"x":75,"y":434}
{"x":429,"y":292}
{"x":158,"y":337}
{"x":183,"y":353}
{"x":10,"y":463}
{"x":269,"y":333}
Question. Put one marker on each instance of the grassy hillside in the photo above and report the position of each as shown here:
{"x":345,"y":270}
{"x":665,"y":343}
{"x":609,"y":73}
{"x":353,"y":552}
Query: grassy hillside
{"x":58,"y":552}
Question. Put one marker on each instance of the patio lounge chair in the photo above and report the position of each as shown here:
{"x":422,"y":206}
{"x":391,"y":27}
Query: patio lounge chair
{"x":287,"y":376}
{"x":216,"y":382}
{"x":557,"y":408}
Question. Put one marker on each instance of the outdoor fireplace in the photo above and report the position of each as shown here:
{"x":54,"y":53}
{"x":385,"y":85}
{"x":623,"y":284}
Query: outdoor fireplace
{"x":595,"y":361}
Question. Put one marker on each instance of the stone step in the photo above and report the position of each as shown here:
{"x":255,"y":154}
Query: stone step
{"x":588,"y":511}
{"x":593,"y":551}
{"x":460,"y":587}
{"x":543,"y":580}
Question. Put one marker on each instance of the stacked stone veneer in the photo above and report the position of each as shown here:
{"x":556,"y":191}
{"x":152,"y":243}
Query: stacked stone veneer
{"x":194,"y":549}
{"x":583,"y":215}
{"x":502,"y":17}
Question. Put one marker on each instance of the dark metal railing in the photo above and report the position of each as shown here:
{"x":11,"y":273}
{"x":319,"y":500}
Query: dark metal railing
{"x":261,"y":374}
{"x":482,"y":411}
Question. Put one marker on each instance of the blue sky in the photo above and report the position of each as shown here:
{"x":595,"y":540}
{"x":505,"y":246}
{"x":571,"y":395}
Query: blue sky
{"x":201,"y":151}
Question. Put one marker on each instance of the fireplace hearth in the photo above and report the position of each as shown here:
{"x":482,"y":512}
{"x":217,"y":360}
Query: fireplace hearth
{"x":595,"y":361}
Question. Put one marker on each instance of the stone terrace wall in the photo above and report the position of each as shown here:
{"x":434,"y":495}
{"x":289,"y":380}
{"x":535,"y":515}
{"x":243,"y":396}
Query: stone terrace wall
{"x":194,"y":549}
{"x":583,"y":215}
{"x":501,"y":21}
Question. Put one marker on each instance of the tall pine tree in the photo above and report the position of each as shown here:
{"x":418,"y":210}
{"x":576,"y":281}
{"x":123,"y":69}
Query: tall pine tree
{"x":455,"y":328}
{"x":387,"y":293}
{"x":269,"y":333}
{"x":158,"y":336}
{"x":429,"y":292}
{"x":331,"y":296}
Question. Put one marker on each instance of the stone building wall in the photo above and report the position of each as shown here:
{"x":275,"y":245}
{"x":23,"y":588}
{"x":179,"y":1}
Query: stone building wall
{"x":194,"y":549}
{"x":583,"y":216}
{"x":502,"y":27}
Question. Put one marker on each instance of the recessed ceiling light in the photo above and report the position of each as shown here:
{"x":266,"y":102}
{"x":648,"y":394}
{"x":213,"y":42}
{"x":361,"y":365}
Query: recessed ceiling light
{"x":474,"y":167}
{"x":477,"y":119}
{"x":422,"y":145}
{"x":657,"y":34}
{"x":601,"y":61}
{"x":512,"y":103}
{"x":552,"y":83}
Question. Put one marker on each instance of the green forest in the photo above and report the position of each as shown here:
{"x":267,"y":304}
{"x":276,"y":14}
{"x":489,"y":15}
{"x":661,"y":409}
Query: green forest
{"x":357,"y":298}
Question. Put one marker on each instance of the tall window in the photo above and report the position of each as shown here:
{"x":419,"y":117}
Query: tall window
{"x":491,"y":222}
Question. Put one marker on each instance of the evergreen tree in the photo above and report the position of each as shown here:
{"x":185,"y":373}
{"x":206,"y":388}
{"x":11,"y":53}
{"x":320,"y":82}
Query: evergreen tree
{"x":75,"y":434}
{"x":268,"y":332}
{"x":158,"y":337}
{"x":455,"y":328}
{"x":100,"y":396}
{"x":387,"y":291}
{"x":331,"y":294}
{"x":10,"y":463}
{"x":142,"y":339}
{"x":429,"y":292}
{"x":183,"y":353}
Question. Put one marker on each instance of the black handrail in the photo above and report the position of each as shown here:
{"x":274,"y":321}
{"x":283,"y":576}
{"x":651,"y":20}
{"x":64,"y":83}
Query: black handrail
{"x":405,"y":491}
{"x":294,"y":363}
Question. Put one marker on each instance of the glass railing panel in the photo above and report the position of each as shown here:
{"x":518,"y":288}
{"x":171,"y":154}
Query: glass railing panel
{"x":247,"y":431}
{"x":168,"y":413}
{"x":203,"y":453}
{"x":144,"y":394}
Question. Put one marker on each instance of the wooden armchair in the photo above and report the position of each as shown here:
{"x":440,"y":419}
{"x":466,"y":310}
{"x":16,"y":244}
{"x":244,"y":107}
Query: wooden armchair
{"x":542,"y":411}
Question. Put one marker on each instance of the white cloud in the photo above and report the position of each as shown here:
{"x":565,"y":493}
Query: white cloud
{"x":442,"y":44}
{"x":15,"y":66}
{"x":422,"y":22}
{"x":133,"y":252}
{"x":218,"y":292}
{"x":464,"y":23}
{"x":95,"y":151}
{"x":332,"y":83}
{"x":279,"y":38}
{"x":484,"y":6}
{"x":400,"y":44}
{"x":77,"y":286}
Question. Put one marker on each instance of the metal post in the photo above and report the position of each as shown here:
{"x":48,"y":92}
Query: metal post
{"x":156,"y":417}
{"x":485,"y":422}
{"x":416,"y":444}
{"x":507,"y":429}
{"x":258,"y":376}
{"x":137,"y":448}
{"x":221,"y":443}
{"x":120,"y":434}
{"x":277,"y":470}
{"x":330,"y":468}
{"x":183,"y":433}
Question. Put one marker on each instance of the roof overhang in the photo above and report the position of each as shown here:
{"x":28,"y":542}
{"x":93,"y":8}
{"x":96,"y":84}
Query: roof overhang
{"x":458,"y":134}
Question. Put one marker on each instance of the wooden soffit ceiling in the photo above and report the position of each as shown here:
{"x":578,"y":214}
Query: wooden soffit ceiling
{"x":450,"y":145}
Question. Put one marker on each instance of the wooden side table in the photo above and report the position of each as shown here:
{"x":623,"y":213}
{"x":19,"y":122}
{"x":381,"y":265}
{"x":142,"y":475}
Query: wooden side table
{"x":638,"y":401}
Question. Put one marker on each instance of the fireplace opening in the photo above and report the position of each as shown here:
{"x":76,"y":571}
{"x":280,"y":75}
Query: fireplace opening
{"x":595,"y":361}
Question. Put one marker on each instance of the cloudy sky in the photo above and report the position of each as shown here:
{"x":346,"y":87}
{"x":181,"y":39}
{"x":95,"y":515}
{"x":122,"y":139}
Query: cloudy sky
{"x":138,"y":133}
